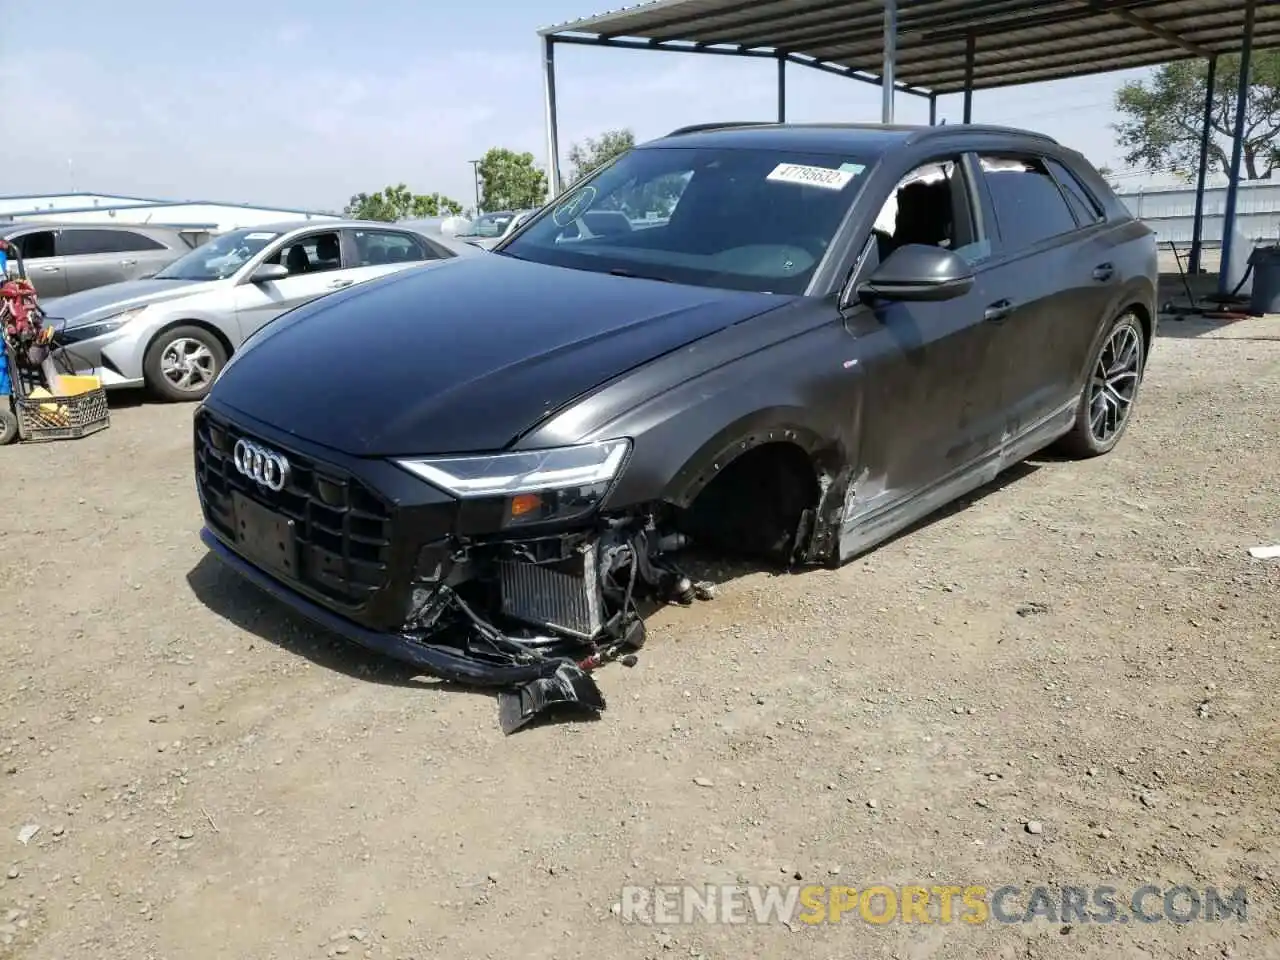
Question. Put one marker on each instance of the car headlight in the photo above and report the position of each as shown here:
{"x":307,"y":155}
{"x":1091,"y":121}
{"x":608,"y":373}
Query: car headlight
{"x":555,"y":484}
{"x":99,"y":327}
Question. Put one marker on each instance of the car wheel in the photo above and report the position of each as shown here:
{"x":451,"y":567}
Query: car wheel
{"x":8,"y":425}
{"x":1115,"y":373}
{"x":183,"y":362}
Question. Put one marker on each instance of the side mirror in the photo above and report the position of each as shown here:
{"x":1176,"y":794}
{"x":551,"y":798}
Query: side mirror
{"x":916,"y":273}
{"x":268,"y":272}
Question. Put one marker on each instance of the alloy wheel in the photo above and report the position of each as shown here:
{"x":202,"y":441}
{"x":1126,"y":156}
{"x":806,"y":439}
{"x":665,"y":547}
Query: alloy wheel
{"x":1114,"y":384}
{"x":188,"y":364}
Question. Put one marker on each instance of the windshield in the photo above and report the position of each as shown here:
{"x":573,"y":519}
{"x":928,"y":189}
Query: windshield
{"x":220,"y":257}
{"x":487,"y":225}
{"x":739,"y":219}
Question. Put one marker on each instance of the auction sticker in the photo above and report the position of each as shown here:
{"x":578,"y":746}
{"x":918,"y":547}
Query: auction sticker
{"x":823,"y":177}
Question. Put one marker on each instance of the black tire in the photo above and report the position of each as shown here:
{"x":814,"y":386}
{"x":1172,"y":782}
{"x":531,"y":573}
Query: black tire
{"x":1101,"y":419}
{"x":198,"y":349}
{"x":8,"y":423}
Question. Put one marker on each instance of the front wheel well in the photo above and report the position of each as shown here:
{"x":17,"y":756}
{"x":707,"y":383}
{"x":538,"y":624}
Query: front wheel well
{"x":756,"y":505}
{"x":201,"y":324}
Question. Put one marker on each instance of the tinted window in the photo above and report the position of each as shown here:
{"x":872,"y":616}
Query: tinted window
{"x":1086,"y":209}
{"x":33,"y":246}
{"x":733,"y":218}
{"x":80,"y":242}
{"x":377,"y":247}
{"x":1029,"y":206}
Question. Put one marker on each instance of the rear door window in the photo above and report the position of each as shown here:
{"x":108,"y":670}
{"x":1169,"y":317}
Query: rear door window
{"x":377,"y":247}
{"x":1029,"y":206}
{"x":1083,"y":204}
{"x":38,"y":245}
{"x":83,"y":242}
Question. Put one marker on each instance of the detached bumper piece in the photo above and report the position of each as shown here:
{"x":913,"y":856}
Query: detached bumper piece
{"x":568,"y":685}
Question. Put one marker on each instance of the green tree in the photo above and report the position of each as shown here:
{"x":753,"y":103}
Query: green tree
{"x":510,"y":181}
{"x":595,"y":152}
{"x":1161,"y":119}
{"x":399,"y":203}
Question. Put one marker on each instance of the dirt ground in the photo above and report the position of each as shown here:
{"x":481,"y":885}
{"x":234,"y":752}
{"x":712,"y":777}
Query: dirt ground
{"x":1085,"y":645}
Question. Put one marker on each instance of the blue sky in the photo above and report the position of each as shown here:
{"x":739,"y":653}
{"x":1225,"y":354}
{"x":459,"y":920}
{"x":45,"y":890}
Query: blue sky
{"x":305,"y":102}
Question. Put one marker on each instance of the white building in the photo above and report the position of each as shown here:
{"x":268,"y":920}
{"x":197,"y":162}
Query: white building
{"x":199,"y":215}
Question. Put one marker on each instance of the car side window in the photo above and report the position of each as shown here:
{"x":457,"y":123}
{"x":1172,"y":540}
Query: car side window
{"x":378,"y":247}
{"x":1083,"y":205}
{"x":1029,"y":207}
{"x":87,"y":241}
{"x":38,"y":245}
{"x":311,"y":254}
{"x":929,"y":206}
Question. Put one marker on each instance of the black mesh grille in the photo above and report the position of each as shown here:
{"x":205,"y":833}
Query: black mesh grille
{"x":343,"y":527}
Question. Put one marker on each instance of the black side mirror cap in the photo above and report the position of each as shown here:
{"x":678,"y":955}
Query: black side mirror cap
{"x":918,"y":273}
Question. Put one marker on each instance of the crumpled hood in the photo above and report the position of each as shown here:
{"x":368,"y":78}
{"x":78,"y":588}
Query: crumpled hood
{"x":90,"y":306}
{"x":465,"y":357}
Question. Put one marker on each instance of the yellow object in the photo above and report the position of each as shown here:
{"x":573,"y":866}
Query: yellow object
{"x":56,"y":412}
{"x":74,"y":386}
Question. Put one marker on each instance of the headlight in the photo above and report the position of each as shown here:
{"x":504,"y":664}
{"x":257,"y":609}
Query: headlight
{"x":556,"y":484}
{"x":100,"y":327}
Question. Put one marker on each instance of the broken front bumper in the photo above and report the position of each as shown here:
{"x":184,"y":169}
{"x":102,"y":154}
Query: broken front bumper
{"x":532,"y":673}
{"x":382,"y":558}
{"x":448,"y":662}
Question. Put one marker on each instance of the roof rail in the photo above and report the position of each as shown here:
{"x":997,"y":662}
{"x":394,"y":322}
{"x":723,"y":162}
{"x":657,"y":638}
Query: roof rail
{"x":961,"y":128}
{"x":699,"y":127}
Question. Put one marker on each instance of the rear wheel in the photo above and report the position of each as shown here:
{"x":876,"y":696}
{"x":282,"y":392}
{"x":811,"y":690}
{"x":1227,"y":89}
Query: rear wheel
{"x":1115,"y":374}
{"x":8,"y":423}
{"x":183,"y":362}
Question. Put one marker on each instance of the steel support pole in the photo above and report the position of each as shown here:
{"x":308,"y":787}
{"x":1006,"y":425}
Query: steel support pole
{"x":782,"y":88}
{"x":970,"y":49}
{"x":1237,"y":150}
{"x":553,"y":134}
{"x":1197,"y":223}
{"x":889,"y":68}
{"x":933,"y":109}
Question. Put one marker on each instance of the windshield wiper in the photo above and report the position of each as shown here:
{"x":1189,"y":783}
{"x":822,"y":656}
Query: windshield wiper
{"x":620,"y":272}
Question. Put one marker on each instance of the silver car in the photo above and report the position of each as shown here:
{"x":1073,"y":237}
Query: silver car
{"x":64,"y":258}
{"x":489,"y":229}
{"x":174,"y":332}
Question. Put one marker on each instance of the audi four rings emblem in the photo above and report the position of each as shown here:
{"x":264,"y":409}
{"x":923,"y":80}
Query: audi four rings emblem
{"x":261,"y":465}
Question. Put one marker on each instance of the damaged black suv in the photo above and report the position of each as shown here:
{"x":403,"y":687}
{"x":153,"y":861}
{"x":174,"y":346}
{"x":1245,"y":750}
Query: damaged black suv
{"x":786,"y":340}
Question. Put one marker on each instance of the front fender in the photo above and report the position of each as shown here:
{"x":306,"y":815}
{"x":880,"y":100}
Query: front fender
{"x":795,"y":391}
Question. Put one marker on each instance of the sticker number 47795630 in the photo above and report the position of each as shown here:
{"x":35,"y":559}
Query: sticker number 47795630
{"x":811,"y":176}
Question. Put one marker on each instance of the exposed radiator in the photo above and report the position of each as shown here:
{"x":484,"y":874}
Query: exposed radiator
{"x":564,"y":596}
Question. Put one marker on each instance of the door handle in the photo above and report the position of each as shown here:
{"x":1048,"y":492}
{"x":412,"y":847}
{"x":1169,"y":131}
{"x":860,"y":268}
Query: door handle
{"x":998,"y":311}
{"x":1103,"y":272}
{"x":128,"y":263}
{"x":339,"y":284}
{"x":50,"y":269}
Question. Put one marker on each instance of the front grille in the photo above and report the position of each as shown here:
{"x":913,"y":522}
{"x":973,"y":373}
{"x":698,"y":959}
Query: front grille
{"x":343,"y":527}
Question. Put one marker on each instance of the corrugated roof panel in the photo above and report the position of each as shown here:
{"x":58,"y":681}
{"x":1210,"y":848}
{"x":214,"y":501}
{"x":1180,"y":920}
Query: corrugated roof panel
{"x":1016,"y":41}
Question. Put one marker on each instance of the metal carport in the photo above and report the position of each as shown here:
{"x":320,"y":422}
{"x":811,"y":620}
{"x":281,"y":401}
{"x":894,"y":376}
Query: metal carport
{"x":930,"y":48}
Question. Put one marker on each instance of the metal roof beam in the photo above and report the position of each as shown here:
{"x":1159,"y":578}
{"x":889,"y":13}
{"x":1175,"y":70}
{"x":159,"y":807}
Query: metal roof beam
{"x":724,"y":50}
{"x":1142,"y":23}
{"x":1068,"y":56}
{"x":655,"y":29}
